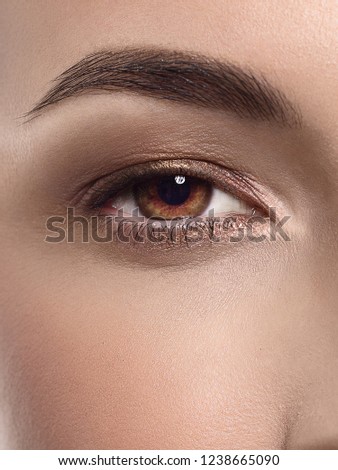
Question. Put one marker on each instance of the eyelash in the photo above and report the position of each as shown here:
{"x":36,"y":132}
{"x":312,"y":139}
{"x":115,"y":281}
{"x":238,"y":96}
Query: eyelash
{"x":236,"y":183}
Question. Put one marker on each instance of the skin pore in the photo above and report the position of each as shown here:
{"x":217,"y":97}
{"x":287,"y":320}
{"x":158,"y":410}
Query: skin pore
{"x":213,"y":346}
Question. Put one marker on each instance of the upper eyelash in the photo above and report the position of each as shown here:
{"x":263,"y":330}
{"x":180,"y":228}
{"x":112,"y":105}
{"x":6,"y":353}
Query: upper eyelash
{"x":237,"y":183}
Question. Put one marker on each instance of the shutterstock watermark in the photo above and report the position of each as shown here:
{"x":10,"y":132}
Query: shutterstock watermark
{"x":135,"y":228}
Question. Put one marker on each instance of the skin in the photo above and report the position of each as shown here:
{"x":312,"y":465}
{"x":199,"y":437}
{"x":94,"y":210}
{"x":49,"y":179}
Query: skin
{"x":233,"y":346}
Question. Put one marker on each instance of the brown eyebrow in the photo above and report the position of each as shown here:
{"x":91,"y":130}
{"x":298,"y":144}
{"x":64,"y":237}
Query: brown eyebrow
{"x":176,"y":76}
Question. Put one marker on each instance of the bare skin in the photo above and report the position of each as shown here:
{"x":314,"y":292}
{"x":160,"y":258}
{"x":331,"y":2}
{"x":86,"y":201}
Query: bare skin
{"x":233,"y":346}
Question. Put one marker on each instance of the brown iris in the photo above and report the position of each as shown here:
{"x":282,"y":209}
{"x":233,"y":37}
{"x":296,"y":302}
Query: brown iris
{"x":172,"y":196}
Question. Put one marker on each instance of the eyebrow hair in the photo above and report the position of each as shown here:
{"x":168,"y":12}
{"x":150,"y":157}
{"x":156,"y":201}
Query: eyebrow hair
{"x":171,"y":75}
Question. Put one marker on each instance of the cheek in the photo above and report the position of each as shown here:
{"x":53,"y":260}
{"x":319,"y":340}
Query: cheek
{"x":139,"y":371}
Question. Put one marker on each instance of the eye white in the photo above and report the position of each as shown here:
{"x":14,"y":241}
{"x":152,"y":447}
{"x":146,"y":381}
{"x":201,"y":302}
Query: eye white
{"x":223,"y":203}
{"x":126,"y":201}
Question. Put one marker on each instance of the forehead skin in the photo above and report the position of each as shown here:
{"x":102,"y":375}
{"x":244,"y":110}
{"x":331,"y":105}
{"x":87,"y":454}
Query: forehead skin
{"x":95,"y":355}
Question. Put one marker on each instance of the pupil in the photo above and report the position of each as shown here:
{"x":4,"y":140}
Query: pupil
{"x":171,"y":192}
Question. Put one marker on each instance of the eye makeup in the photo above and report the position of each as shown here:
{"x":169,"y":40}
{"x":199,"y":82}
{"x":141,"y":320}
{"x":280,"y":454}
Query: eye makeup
{"x":176,"y":216}
{"x":105,"y":152}
{"x":209,"y":174}
{"x":100,"y":168}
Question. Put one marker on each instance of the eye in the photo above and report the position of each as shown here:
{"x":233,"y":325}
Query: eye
{"x":179,"y":203}
{"x":169,"y":189}
{"x":172,"y":196}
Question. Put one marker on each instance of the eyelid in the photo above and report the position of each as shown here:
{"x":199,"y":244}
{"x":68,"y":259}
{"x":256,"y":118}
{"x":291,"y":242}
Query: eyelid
{"x":236,"y":183}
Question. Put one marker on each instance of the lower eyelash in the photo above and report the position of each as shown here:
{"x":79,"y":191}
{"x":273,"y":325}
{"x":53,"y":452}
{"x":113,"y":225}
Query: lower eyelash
{"x":169,"y":233}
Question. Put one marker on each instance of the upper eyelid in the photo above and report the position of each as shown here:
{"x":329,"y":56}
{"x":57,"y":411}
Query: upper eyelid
{"x":237,"y":183}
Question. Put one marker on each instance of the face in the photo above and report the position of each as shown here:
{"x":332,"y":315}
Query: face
{"x":193,"y":342}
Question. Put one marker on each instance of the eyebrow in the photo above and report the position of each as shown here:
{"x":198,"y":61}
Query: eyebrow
{"x":176,"y":76}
